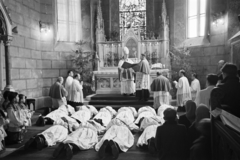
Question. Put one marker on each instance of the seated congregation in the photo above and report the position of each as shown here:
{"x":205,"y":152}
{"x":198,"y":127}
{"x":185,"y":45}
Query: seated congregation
{"x":163,"y":131}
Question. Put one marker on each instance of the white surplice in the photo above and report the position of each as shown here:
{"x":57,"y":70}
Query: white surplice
{"x":106,"y":114}
{"x":68,"y":85}
{"x":183,"y":91}
{"x":55,"y":134}
{"x":160,"y":98}
{"x":203,"y":96}
{"x":76,"y":93}
{"x":147,"y":134}
{"x":60,"y":112}
{"x":119,"y":132}
{"x":85,"y":137}
{"x":195,"y":88}
{"x":145,"y":112}
{"x":127,"y":85}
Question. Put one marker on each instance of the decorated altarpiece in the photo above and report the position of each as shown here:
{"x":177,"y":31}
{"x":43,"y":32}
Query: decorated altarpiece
{"x":110,"y":52}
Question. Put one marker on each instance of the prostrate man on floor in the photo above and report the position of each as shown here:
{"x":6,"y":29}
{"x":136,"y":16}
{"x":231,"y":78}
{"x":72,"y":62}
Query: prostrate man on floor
{"x":143,"y":79}
{"x":126,"y":76}
{"x":160,"y":87}
{"x":58,"y":93}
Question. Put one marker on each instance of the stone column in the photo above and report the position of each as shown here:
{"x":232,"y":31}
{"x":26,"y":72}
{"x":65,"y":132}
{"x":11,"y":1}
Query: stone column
{"x":6,"y":42}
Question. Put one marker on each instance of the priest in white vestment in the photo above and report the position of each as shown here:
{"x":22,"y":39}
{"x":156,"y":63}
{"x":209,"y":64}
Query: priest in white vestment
{"x":143,"y":79}
{"x":160,"y":87}
{"x":203,"y":96}
{"x":183,"y":90}
{"x":126,"y":76}
{"x":76,"y":93}
{"x":68,"y":82}
{"x":105,"y":115}
{"x":195,"y":86}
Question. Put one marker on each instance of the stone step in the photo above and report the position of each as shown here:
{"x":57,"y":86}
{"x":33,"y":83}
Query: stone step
{"x":120,"y":102}
{"x":112,"y":97}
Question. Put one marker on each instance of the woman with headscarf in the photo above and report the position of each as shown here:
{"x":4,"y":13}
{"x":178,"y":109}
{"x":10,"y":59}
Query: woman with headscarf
{"x":188,"y":118}
{"x":201,"y":113}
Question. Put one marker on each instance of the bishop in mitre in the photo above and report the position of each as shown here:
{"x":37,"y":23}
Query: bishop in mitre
{"x":126,"y":76}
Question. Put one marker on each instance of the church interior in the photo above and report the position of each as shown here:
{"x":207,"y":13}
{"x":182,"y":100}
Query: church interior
{"x":42,"y":41}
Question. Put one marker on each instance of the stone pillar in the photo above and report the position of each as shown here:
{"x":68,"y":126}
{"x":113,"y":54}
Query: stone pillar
{"x":6,"y":42}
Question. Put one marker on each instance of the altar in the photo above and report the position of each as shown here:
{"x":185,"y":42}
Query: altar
{"x":109,"y":53}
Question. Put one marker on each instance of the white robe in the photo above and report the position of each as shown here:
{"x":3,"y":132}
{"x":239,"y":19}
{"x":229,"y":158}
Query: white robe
{"x":76,"y":93}
{"x":119,"y":133}
{"x":195,"y":88}
{"x":60,"y":112}
{"x":160,"y":111}
{"x":85,"y":137}
{"x":145,"y":112}
{"x":55,"y":134}
{"x":142,"y":81}
{"x":147,"y":134}
{"x":160,"y":98}
{"x":68,"y":85}
{"x":127,"y":86}
{"x":106,"y":114}
{"x":203,"y":96}
{"x":183,"y":91}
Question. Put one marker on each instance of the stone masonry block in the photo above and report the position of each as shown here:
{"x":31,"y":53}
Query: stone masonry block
{"x":32,"y":83}
{"x":19,"y":84}
{"x":66,"y":55}
{"x":216,"y":59}
{"x":50,"y":55}
{"x":17,"y":18}
{"x":70,"y":64}
{"x":50,"y":73}
{"x":46,"y":45}
{"x":35,"y":34}
{"x":58,"y":64}
{"x":15,"y":73}
{"x":23,"y":31}
{"x":46,"y":82}
{"x":18,"y":41}
{"x":210,"y":51}
{"x":25,"y":73}
{"x":36,"y":73}
{"x":30,"y":63}
{"x":221,"y":50}
{"x":44,"y":64}
{"x":30,"y":43}
{"x":13,"y":51}
{"x":36,"y":92}
{"x":63,"y":72}
{"x":36,"y":54}
{"x":45,"y":91}
{"x":24,"y":53}
{"x":18,"y":63}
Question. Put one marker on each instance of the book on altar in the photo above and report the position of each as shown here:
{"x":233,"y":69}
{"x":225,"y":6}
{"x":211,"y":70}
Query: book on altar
{"x":134,"y":66}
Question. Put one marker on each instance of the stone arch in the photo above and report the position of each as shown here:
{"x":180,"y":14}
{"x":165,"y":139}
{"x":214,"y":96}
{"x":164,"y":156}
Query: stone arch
{"x":5,"y":21}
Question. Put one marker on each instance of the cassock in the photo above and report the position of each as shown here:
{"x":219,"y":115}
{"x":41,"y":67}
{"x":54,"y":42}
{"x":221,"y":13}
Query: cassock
{"x":58,"y":93}
{"x":143,"y":80}
{"x":68,"y":85}
{"x":183,"y":91}
{"x":126,"y":77}
{"x":195,"y":88}
{"x":76,"y":93}
{"x":160,"y":87}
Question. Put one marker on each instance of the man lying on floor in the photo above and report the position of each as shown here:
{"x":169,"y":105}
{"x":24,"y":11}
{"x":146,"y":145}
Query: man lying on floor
{"x":118,"y":136}
{"x":62,"y":127}
{"x":86,"y":136}
{"x":64,"y":111}
{"x":149,"y":125}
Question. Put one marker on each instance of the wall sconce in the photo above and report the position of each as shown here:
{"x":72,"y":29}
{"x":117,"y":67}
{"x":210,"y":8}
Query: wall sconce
{"x":218,"y":18}
{"x":44,"y":27}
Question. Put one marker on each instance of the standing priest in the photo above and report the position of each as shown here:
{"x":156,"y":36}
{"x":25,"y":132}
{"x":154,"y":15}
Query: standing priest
{"x":143,"y":79}
{"x":126,"y":75}
{"x":160,"y":87}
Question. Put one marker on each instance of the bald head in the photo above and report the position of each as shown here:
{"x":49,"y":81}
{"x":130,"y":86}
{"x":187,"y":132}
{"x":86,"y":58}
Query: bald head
{"x":60,"y":80}
{"x":221,"y":63}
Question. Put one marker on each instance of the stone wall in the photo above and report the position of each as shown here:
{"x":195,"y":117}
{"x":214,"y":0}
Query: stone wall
{"x":206,"y":54}
{"x":35,"y":62}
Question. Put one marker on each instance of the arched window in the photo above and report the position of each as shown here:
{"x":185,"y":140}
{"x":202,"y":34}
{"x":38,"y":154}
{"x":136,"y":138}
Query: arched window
{"x":68,"y":20}
{"x":196,"y":18}
{"x":132,"y":14}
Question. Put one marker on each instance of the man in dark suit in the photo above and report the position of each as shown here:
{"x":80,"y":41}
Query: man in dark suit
{"x":171,"y":138}
{"x":230,"y":86}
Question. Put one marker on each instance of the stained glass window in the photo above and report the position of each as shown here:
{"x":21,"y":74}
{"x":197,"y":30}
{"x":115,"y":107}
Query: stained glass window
{"x":132,"y":14}
{"x":196,"y":18}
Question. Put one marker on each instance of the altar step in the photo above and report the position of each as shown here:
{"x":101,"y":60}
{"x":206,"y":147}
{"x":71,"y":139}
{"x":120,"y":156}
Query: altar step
{"x":117,"y":100}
